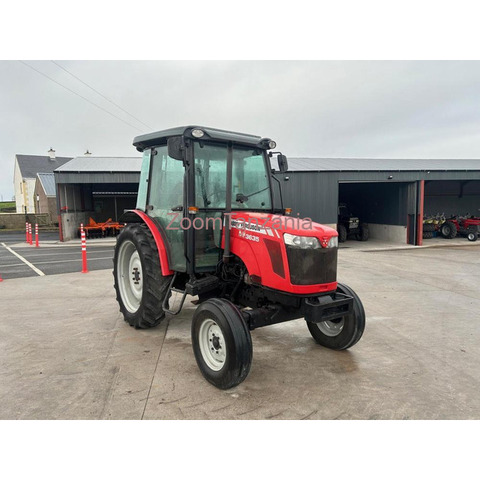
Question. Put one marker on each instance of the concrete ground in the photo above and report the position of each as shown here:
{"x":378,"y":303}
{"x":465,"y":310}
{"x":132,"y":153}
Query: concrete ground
{"x":66,"y":353}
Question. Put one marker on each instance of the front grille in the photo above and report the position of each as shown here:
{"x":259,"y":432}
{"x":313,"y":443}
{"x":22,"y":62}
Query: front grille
{"x":312,"y":266}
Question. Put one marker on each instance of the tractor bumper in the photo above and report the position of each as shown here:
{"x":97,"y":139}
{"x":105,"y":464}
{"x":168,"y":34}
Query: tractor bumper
{"x":327,"y":307}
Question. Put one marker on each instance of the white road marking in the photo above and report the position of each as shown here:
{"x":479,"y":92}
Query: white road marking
{"x":25,"y":261}
{"x":59,"y":261}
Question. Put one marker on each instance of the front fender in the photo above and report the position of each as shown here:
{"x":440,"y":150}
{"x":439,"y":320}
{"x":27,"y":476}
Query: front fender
{"x":136,"y":216}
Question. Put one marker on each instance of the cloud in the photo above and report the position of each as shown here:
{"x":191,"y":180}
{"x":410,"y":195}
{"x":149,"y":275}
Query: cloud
{"x":311,"y":108}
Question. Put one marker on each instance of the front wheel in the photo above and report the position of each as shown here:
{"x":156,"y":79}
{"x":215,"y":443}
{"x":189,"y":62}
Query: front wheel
{"x":221,"y":343}
{"x":344,"y":332}
{"x":363,"y":234}
{"x":472,"y":236}
{"x":342,"y":233}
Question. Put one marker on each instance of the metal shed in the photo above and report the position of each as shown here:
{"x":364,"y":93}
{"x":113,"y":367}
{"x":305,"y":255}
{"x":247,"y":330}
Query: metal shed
{"x":392,"y":195}
{"x":97,"y":187}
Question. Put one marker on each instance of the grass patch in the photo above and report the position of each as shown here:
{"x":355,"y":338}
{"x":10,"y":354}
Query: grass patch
{"x":8,"y":207}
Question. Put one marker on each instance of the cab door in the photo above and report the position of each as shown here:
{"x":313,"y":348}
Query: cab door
{"x":165,"y":203}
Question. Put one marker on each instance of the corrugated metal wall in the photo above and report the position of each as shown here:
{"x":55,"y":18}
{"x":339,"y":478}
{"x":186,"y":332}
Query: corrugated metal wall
{"x":311,"y":194}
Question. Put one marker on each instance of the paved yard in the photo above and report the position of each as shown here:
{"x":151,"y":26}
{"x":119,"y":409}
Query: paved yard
{"x":19,"y":259}
{"x":65,"y":351}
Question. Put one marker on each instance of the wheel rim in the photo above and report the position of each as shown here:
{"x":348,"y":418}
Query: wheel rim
{"x":130,"y":277}
{"x":212,"y":344}
{"x":331,"y":328}
{"x":471,"y":236}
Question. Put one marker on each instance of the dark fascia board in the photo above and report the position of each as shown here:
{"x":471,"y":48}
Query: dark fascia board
{"x":160,"y":138}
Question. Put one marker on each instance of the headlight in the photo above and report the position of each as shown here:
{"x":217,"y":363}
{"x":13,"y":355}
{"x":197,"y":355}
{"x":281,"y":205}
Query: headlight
{"x":301,"y":242}
{"x":333,"y":242}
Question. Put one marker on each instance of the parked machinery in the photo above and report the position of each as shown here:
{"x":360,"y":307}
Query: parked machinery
{"x":468,"y":226}
{"x":350,"y":225}
{"x":432,"y":224}
{"x":102,"y":229}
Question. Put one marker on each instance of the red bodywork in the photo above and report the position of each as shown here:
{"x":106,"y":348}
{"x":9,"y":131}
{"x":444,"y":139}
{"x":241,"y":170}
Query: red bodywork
{"x":162,"y":251}
{"x":250,"y":234}
{"x":254,"y":253}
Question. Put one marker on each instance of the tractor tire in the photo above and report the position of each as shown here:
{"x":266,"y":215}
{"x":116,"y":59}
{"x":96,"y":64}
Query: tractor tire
{"x":472,"y":234}
{"x":448,"y":230}
{"x":342,"y":233}
{"x":342,"y":333}
{"x":428,"y":227}
{"x":139,"y":284}
{"x":364,"y":233}
{"x":221,"y":343}
{"x":427,"y":234}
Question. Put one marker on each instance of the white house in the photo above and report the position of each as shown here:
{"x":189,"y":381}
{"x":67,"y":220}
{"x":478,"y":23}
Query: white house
{"x":25,"y":175}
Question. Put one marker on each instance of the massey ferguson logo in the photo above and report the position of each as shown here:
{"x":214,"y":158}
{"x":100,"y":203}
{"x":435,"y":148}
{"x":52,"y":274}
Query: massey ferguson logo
{"x":324,"y":242}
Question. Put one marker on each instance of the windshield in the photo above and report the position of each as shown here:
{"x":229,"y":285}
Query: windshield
{"x":250,"y":182}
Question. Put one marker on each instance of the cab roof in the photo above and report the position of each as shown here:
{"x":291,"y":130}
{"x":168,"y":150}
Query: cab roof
{"x":160,"y":138}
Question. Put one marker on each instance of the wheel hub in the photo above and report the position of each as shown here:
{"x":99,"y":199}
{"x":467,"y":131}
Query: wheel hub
{"x":212,"y":344}
{"x":216,"y":342}
{"x":136,"y":275}
{"x":130,"y":276}
{"x":331,"y":328}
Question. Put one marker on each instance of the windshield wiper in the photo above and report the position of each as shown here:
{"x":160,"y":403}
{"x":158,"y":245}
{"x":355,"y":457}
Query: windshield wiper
{"x":241,"y":198}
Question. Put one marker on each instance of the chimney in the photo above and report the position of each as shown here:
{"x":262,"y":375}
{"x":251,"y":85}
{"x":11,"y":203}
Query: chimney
{"x":51,"y":153}
{"x":87,"y":153}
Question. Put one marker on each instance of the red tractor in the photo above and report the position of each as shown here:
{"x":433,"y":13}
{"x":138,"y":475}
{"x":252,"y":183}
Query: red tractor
{"x":467,"y":226}
{"x":206,"y":225}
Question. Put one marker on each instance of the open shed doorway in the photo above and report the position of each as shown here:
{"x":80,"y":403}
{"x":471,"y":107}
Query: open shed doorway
{"x":382,"y":205}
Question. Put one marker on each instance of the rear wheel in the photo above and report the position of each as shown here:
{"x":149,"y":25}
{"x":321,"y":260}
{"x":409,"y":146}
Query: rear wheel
{"x":138,"y":280}
{"x":364,"y":233}
{"x":342,"y":233}
{"x":221,"y":343}
{"x":344,"y":332}
{"x":448,"y":230}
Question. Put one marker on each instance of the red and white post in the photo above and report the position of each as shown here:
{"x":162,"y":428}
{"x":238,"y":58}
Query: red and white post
{"x":36,"y":235}
{"x":30,"y":240}
{"x":84,"y":250}
{"x":26,"y":232}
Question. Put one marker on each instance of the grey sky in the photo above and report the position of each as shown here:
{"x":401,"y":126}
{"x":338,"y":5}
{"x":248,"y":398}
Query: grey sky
{"x":311,"y":108}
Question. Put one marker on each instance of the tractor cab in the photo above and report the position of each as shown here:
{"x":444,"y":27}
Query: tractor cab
{"x":184,"y":182}
{"x":208,"y":224}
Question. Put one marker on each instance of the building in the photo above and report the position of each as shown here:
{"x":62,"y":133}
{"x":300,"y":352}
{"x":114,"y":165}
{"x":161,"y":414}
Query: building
{"x":25,"y":177}
{"x":96,"y":187}
{"x":391,"y":195}
{"x":45,"y":196}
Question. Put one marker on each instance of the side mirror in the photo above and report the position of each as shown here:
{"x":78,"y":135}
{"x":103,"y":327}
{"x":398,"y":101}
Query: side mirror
{"x":282,"y":163}
{"x":175,"y":148}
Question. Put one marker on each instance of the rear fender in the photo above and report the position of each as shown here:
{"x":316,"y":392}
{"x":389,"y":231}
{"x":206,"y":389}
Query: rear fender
{"x":137,"y":216}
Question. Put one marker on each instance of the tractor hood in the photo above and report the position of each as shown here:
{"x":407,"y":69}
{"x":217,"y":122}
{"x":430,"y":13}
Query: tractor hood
{"x":276,"y":225}
{"x":259,"y":240}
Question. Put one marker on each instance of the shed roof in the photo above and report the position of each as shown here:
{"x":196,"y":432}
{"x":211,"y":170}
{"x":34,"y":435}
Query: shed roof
{"x":102,"y":164}
{"x":48,"y":183}
{"x":380,"y":164}
{"x":30,"y":165}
